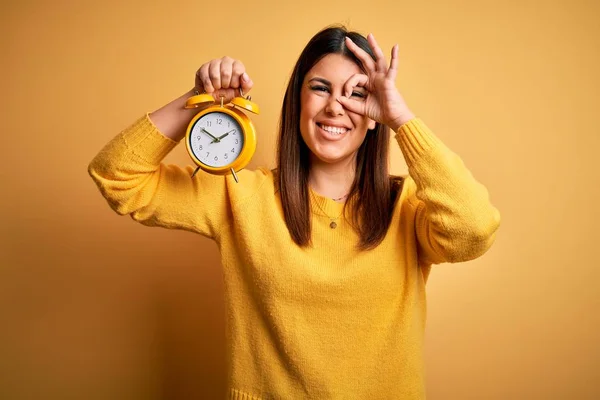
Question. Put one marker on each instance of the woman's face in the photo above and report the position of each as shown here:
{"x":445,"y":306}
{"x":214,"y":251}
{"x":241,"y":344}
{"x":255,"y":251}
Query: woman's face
{"x":332,"y":133}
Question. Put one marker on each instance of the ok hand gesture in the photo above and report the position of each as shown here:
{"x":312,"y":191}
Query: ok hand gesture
{"x":384,"y":103}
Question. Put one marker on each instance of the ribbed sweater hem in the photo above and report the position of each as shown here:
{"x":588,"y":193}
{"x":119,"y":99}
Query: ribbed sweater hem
{"x":235,"y":394}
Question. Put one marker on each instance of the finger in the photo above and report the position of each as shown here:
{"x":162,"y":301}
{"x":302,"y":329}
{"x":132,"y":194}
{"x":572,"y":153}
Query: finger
{"x":354,"y":81}
{"x":352,"y":105}
{"x":226,"y":72}
{"x":214,"y":72}
{"x":203,"y":82}
{"x":362,"y":55}
{"x":238,"y":69}
{"x":391,"y":74}
{"x":379,"y":57}
{"x":246,"y":82}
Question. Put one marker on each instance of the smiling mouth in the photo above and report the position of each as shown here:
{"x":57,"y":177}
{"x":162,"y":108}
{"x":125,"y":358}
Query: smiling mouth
{"x":333,"y":130}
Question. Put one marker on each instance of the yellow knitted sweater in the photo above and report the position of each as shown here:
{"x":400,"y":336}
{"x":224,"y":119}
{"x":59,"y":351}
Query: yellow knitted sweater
{"x":327,"y":321}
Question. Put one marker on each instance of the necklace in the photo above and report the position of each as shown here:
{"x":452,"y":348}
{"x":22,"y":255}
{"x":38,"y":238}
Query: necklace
{"x":341,"y":198}
{"x":332,"y":224}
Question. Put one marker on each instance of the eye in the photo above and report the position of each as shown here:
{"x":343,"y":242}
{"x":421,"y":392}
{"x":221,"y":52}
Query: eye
{"x":320,"y":88}
{"x":359,"y":94}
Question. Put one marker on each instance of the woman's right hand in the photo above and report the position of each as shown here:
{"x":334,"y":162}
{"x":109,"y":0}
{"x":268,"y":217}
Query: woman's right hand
{"x":223,"y":77}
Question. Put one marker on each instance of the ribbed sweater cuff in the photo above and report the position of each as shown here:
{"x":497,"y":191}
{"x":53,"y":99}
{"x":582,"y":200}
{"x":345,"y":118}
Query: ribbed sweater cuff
{"x":146,"y":141}
{"x":416,"y":140}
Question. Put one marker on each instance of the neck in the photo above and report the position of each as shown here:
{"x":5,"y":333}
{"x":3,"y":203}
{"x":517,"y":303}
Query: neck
{"x":332,"y":180}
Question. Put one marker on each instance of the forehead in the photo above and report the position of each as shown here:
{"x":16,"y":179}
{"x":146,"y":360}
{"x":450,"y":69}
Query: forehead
{"x":335,"y":68}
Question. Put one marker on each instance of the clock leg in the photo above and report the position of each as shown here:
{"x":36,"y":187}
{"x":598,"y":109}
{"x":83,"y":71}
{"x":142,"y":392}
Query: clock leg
{"x":195,"y":171}
{"x":234,"y":175}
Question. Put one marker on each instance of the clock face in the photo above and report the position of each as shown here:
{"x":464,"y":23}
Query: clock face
{"x":216,"y":139}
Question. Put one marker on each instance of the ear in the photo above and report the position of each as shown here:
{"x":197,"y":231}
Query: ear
{"x":372,"y":124}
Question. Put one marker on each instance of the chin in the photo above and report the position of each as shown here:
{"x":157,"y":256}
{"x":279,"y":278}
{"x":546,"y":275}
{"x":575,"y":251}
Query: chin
{"x":332,"y":157}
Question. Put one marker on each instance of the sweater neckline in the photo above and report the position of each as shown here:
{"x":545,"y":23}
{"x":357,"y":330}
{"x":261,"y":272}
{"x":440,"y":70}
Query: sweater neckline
{"x":325,"y":205}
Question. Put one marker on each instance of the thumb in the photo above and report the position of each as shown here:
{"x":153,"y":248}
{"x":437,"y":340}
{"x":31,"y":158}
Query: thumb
{"x":352,"y":105}
{"x":227,"y":95}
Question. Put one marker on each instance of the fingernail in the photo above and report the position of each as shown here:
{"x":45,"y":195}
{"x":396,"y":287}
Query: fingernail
{"x":245,"y":77}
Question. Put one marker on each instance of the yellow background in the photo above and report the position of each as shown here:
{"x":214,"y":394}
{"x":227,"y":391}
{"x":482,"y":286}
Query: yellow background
{"x":95,"y":306}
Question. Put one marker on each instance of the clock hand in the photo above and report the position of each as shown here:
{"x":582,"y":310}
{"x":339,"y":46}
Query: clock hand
{"x":209,"y":134}
{"x":222,"y":136}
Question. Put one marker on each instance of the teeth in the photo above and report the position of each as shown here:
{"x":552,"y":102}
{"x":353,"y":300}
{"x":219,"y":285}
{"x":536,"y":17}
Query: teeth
{"x":333,"y":129}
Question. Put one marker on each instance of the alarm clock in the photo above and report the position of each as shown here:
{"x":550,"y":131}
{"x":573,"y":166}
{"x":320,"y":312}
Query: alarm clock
{"x":221,"y":139}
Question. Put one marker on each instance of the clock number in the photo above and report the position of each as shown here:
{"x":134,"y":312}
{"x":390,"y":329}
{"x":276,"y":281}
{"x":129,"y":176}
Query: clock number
{"x":219,"y":120}
{"x":233,"y":150}
{"x":236,"y":141}
{"x":216,"y":158}
{"x":207,"y":153}
{"x":225,"y":156}
{"x":208,"y":123}
{"x":200,"y":147}
{"x":198,"y":137}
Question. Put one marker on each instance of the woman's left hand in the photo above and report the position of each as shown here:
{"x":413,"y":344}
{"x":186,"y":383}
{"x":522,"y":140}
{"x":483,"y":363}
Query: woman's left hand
{"x":384,"y":104}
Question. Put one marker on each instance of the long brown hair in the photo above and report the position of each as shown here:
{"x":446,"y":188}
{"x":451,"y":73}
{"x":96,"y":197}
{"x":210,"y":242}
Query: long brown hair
{"x":372,"y":194}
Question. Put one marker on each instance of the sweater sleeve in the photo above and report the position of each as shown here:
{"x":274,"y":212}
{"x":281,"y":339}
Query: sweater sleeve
{"x":129,"y":173}
{"x":454,"y":219}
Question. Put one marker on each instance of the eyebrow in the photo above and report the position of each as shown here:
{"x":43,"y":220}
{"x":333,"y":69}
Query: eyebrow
{"x":322,"y":80}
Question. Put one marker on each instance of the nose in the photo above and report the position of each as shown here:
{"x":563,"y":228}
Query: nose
{"x":334,"y":108}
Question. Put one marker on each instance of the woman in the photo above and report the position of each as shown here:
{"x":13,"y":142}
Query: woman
{"x":325,"y":259}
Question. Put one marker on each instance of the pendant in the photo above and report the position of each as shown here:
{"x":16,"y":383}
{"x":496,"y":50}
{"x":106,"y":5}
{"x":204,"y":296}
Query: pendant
{"x":333,"y":225}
